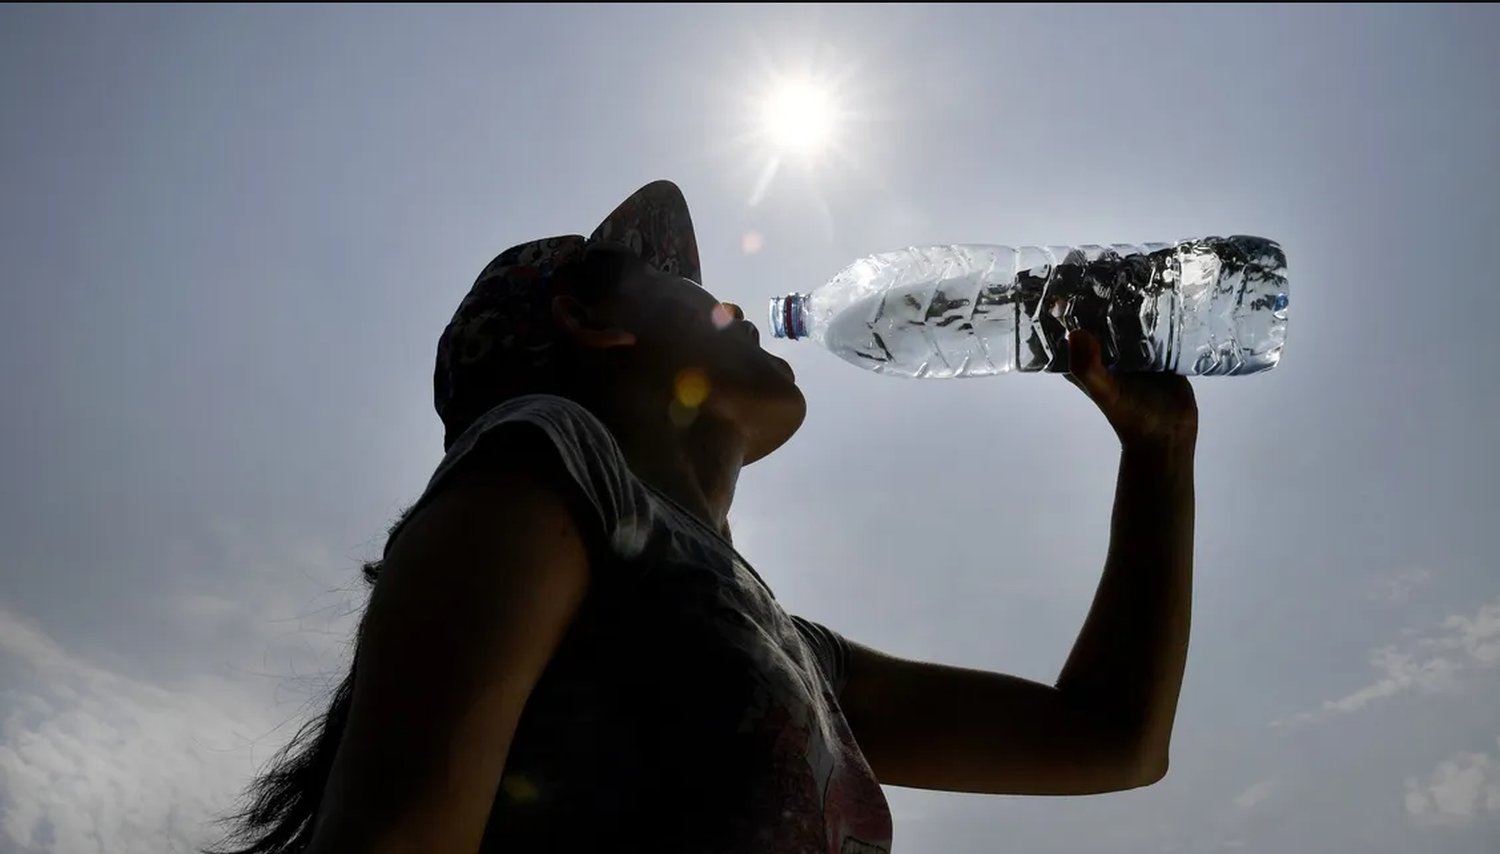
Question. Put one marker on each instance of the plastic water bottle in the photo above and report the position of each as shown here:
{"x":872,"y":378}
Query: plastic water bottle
{"x":1210,"y":307}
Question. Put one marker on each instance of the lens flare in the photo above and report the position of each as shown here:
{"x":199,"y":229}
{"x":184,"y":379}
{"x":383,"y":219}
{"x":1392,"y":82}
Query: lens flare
{"x":691,"y":388}
{"x":519,"y":789}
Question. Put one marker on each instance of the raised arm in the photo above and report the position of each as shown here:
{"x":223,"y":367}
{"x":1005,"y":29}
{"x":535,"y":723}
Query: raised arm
{"x":476,"y":594}
{"x":1106,"y":723}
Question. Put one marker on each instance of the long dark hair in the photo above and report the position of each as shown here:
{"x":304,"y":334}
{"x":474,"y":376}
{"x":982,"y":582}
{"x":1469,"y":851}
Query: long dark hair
{"x":280,"y":806}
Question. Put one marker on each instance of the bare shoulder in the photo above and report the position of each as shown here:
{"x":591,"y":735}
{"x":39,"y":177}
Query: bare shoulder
{"x":477,"y":592}
{"x":511,"y":492}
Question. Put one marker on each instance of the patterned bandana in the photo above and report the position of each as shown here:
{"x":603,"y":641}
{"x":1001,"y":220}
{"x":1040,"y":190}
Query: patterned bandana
{"x":500,"y":341}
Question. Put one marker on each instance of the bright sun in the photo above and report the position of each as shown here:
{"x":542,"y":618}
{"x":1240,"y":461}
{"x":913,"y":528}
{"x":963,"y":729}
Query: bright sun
{"x":799,"y":118}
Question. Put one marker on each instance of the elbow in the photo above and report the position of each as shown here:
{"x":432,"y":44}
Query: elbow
{"x":1152,"y":771}
{"x":1135,"y":763}
{"x":1138,"y":757}
{"x":1144,"y":754}
{"x":1121,"y":756}
{"x":1149,"y":767}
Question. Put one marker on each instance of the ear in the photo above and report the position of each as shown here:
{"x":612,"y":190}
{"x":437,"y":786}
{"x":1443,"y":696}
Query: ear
{"x":585,"y":325}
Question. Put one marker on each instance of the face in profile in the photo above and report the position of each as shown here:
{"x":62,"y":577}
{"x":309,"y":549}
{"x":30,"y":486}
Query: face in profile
{"x":679,"y":336}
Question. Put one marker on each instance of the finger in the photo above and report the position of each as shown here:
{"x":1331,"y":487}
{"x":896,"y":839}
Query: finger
{"x":1084,"y":362}
{"x":1087,"y":361}
{"x":1077,"y":362}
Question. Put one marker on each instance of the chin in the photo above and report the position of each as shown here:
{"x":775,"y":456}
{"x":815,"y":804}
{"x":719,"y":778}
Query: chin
{"x":772,"y":417}
{"x":758,"y":394}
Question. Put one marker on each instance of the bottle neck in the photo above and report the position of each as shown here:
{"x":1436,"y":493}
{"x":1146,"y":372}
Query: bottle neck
{"x":789,"y":316}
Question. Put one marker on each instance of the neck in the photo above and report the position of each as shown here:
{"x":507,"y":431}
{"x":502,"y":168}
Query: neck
{"x":695,"y":464}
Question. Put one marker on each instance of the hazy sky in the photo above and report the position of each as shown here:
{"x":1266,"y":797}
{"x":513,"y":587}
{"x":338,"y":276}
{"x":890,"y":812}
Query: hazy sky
{"x":229,"y":238}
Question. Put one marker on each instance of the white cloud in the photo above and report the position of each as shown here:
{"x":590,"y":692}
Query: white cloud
{"x":1457,"y":791}
{"x":1477,"y":636}
{"x":92,"y":761}
{"x":1427,"y":665}
{"x":1255,"y":795}
{"x":1400,"y":671}
{"x":99,"y":755}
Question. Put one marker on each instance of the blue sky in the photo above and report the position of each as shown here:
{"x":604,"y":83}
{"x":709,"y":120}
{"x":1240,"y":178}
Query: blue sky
{"x":229,"y":237}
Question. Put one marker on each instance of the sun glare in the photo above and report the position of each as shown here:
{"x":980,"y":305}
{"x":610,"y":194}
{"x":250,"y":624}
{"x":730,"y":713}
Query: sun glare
{"x":798,"y":118}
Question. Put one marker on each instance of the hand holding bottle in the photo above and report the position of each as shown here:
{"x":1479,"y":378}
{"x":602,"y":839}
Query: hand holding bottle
{"x":1145,"y":409}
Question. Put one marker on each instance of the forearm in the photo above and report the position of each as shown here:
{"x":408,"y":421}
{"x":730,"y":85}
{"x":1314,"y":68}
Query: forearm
{"x":1128,"y":661}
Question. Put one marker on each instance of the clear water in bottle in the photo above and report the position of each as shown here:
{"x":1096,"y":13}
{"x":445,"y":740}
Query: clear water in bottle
{"x":1209,"y":307}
